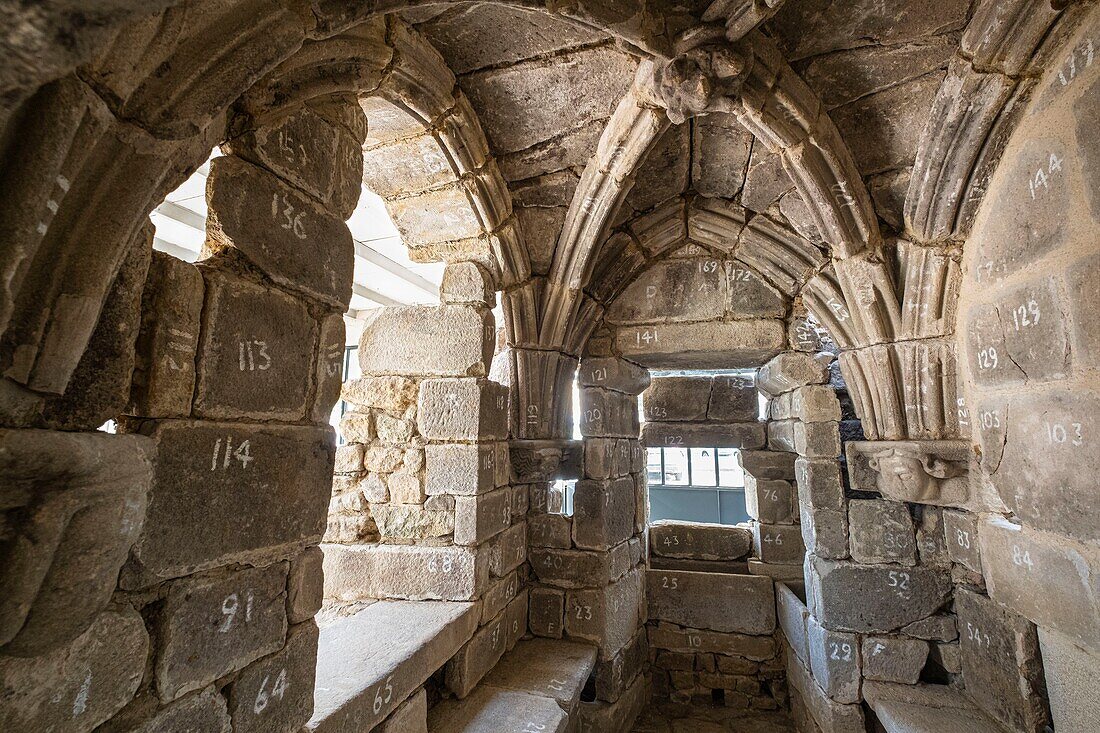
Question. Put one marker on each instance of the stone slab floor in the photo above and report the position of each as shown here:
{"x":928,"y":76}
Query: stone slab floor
{"x":671,"y":717}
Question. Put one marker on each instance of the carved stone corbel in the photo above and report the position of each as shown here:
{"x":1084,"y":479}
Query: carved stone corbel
{"x":932,"y":472}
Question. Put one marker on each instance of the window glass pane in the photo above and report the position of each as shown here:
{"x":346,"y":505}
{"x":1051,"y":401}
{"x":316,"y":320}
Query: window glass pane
{"x":730,"y":472}
{"x":732,"y":507}
{"x":685,"y":505}
{"x":676,"y":467}
{"x":653,"y":465}
{"x":702,"y":467}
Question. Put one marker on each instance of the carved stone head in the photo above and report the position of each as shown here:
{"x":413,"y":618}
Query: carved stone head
{"x":933,"y":472}
{"x":705,"y":76}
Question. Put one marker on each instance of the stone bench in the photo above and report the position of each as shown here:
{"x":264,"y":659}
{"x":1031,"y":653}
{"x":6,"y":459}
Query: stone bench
{"x":925,"y":709}
{"x":535,"y":687}
{"x":369,"y":663}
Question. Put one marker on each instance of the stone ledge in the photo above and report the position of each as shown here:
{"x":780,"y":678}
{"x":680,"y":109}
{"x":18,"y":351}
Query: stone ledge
{"x":925,"y":709}
{"x":369,"y":663}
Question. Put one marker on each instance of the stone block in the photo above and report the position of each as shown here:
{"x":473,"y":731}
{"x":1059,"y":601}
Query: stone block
{"x":710,"y":345}
{"x":890,"y":659}
{"x":462,"y":410}
{"x":700,"y":641}
{"x":866,"y":598}
{"x":824,"y":532}
{"x":203,"y":711}
{"x":79,"y":685}
{"x":696,"y":541}
{"x":393,"y":394}
{"x":474,"y":660}
{"x":571,"y":568}
{"x":616,"y":717}
{"x":743,"y":604}
{"x":615,"y":374}
{"x":778,"y":543}
{"x":607,"y":414}
{"x":793,"y":616}
{"x":412,"y":522}
{"x":477,"y":518}
{"x":793,"y":369}
{"x":514,"y":619}
{"x":449,"y":341}
{"x":829,"y":715}
{"x":489,"y":710}
{"x":781,"y":435}
{"x":1072,"y":683}
{"x":733,"y":399}
{"x":356,"y":572}
{"x":288,"y":235}
{"x":546,"y":611}
{"x":508,"y":550}
{"x":305,"y":585}
{"x":676,"y":399}
{"x":933,"y":628}
{"x":608,"y":617}
{"x":603,"y":513}
{"x":329,"y":369}
{"x":693,"y":289}
{"x":410,"y":717}
{"x":834,"y":661}
{"x":500,"y":593}
{"x":467,"y":282}
{"x":275,"y":694}
{"x":815,"y":403}
{"x":881,"y":532}
{"x":554,"y":669}
{"x":931,"y":538}
{"x":781,"y":572}
{"x":203,"y":510}
{"x":550,"y":530}
{"x":1001,"y":664}
{"x":767,"y":464}
{"x":461,"y":469}
{"x":770,"y":500}
{"x":613,"y":676}
{"x":817,"y":439}
{"x":961,"y":532}
{"x":703,"y":435}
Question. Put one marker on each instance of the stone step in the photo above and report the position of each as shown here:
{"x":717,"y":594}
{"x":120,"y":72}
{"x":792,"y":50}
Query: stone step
{"x":925,"y":709}
{"x":369,"y":663}
{"x":535,"y":687}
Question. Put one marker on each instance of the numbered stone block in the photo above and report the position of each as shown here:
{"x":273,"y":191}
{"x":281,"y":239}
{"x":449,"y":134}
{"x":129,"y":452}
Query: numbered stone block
{"x":205,"y":711}
{"x":793,"y":369}
{"x":712,"y":345}
{"x":467,"y":282}
{"x":550,"y":530}
{"x":601,"y":458}
{"x":355,"y":572}
{"x":834,"y":661}
{"x":700,"y":641}
{"x":79,"y":685}
{"x":508,"y":550}
{"x":703,"y":435}
{"x":961,"y":531}
{"x":881,"y":532}
{"x":819,"y":484}
{"x":778,"y":543}
{"x":768,"y":464}
{"x":410,"y":717}
{"x":451,"y":341}
{"x":866,"y":598}
{"x":515,"y":619}
{"x":677,"y":399}
{"x":615,"y":374}
{"x":733,"y":399}
{"x":171,"y":311}
{"x":824,"y":532}
{"x":500,"y":593}
{"x":743,"y":604}
{"x":607,"y":414}
{"x":554,"y":669}
{"x":329,"y":370}
{"x":595,"y":717}
{"x":571,"y":568}
{"x":476,"y":658}
{"x":614,"y":676}
{"x":287,"y":234}
{"x":462,"y":410}
{"x":256,"y":355}
{"x":462,"y":469}
{"x":815,"y":403}
{"x":477,"y":518}
{"x":608,"y":616}
{"x":305,"y":585}
{"x":889,"y":659}
{"x":203,"y":510}
{"x":546,"y":611}
{"x":769,"y":500}
{"x":1001,"y":663}
{"x":275,"y":694}
{"x":216,"y":624}
{"x":686,"y":540}
{"x":603,"y":513}
{"x":673,"y":290}
{"x":489,"y":710}
{"x":817,"y":439}
{"x":793,"y":617}
{"x":810,"y":700}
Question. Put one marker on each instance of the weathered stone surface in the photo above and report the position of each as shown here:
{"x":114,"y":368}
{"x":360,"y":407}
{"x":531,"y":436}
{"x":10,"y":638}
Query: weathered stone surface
{"x":467,"y":282}
{"x":742,"y":604}
{"x":703,"y":435}
{"x":768,"y":464}
{"x":608,"y":616}
{"x":1070,"y":681}
{"x":251,"y":360}
{"x":924,"y":472}
{"x":305,"y":585}
{"x":462,"y":469}
{"x":674,"y":399}
{"x":961,"y":531}
{"x":202,"y":508}
{"x":700,"y":641}
{"x":1001,"y":662}
{"x":619,"y":716}
{"x":410,"y":717}
{"x":881,"y":532}
{"x":477,"y":518}
{"x":733,"y":399}
{"x":615,"y":374}
{"x":888,"y":659}
{"x":412,"y":522}
{"x":793,"y":617}
{"x":829,"y":714}
{"x":571,"y":568}
{"x":721,"y":155}
{"x":462,"y":410}
{"x":554,"y":669}
{"x":288,"y":235}
{"x":607,"y":414}
{"x":778,"y":543}
{"x":793,"y":369}
{"x":613,"y":676}
{"x":603,"y":513}
{"x":205,"y":711}
{"x":546,"y":611}
{"x":216,"y":624}
{"x":690,"y":540}
{"x":474,"y":660}
{"x":490,"y":709}
{"x":451,"y":341}
{"x":835,"y":661}
{"x":508,"y":550}
{"x":276,"y":693}
{"x":77,"y":686}
{"x":770,"y":500}
{"x":329,"y":369}
{"x":925,"y":707}
{"x":710,"y":345}
{"x":863,"y":598}
{"x":404,"y":571}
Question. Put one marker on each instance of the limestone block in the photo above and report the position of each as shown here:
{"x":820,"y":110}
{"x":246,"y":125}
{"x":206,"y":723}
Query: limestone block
{"x":675,"y":399}
{"x":889,"y":659}
{"x":203,"y":510}
{"x":687,"y":540}
{"x":357,"y":427}
{"x":607,"y":414}
{"x":1071,"y":682}
{"x":288,"y":235}
{"x":251,"y":360}
{"x":601,"y":458}
{"x":462,"y":410}
{"x":508,"y":550}
{"x":404,"y":571}
{"x":164,"y":369}
{"x":546,"y":611}
{"x":834,"y":661}
{"x":793,"y":369}
{"x":961,"y":531}
{"x":613,"y":676}
{"x":499,"y":594}
{"x":608,"y":616}
{"x":922,"y":472}
{"x":881,"y":532}
{"x":703,"y":435}
{"x":709,"y":345}
{"x":305,"y":585}
{"x":490,"y":709}
{"x":467,"y":282}
{"x":1044,"y":578}
{"x":205,"y":711}
{"x":329,"y":369}
{"x":393,"y":394}
{"x":815,"y":403}
{"x":824,"y":532}
{"x":603,"y":513}
{"x":1001,"y":663}
{"x":701,"y":641}
{"x":781,"y":435}
{"x":476,"y":658}
{"x":828,"y":714}
{"x":410,"y":717}
{"x":550,"y":530}
{"x":947,"y":655}
{"x":275,"y":694}
{"x":793,"y":616}
{"x":405,"y":488}
{"x":411,"y":521}
{"x":931,"y":538}
{"x":616,"y":717}
{"x":741,"y":604}
{"x":81,"y":684}
{"x":770,"y":500}
{"x":461,"y":470}
{"x":817,"y":439}
{"x":553,"y":669}
{"x":673,"y":290}
{"x":477,"y":518}
{"x":423,"y":341}
{"x":58,"y":565}
{"x":865,"y":598}
{"x":819,"y":483}
{"x":733,"y":399}
{"x":778,"y":543}
{"x":615,"y":374}
{"x":514,"y":619}
{"x":571,"y":568}
{"x":766,"y":464}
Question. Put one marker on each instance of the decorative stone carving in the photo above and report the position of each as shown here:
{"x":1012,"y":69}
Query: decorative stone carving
{"x":921,"y":472}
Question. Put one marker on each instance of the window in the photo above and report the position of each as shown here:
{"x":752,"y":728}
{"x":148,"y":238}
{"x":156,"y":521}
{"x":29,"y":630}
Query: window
{"x":696,"y":485}
{"x":351,"y":371}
